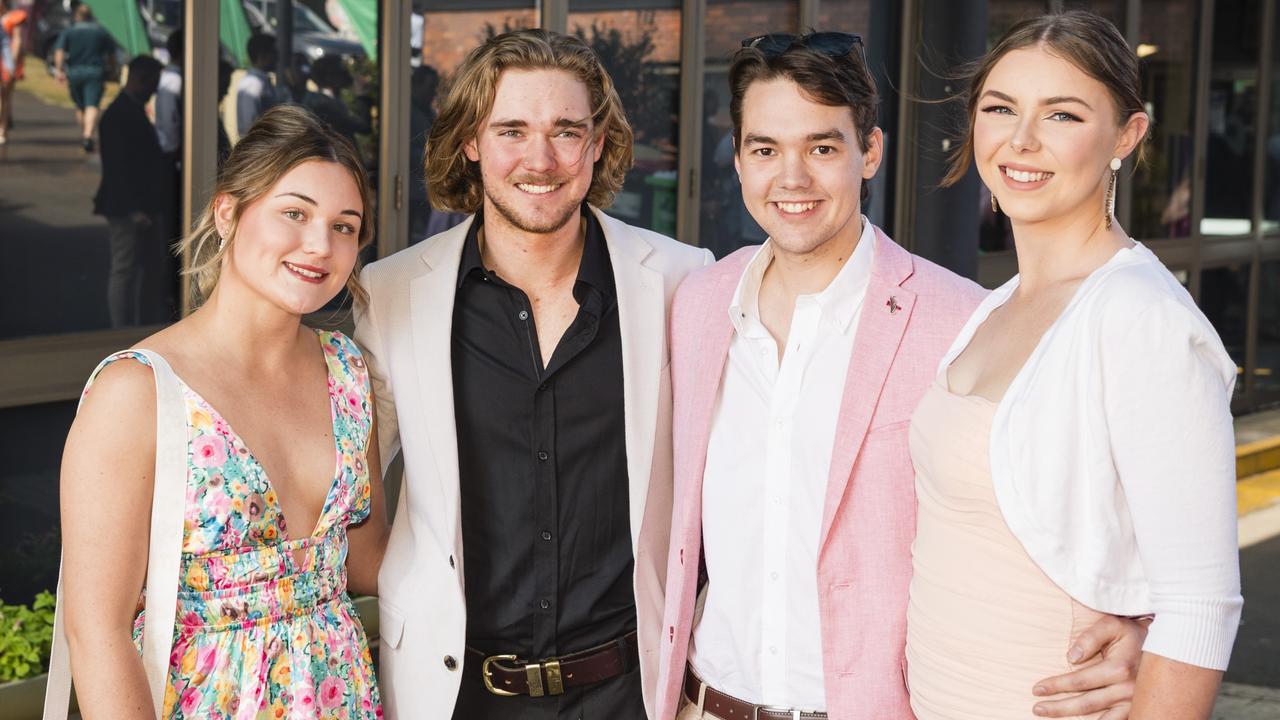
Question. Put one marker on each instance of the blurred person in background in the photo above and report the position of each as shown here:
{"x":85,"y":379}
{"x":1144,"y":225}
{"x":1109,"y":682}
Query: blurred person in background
{"x":331,"y":75}
{"x":134,"y":196}
{"x":12,"y":22}
{"x":168,"y":106}
{"x":256,"y":93}
{"x":82,"y":59}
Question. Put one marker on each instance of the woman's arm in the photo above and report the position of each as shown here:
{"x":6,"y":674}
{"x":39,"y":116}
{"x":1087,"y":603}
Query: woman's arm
{"x":1172,"y":690}
{"x":367,"y":541}
{"x":1168,"y":386}
{"x":107,"y":478}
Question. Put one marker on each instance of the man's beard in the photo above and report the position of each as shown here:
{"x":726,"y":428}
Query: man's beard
{"x":523,"y":225}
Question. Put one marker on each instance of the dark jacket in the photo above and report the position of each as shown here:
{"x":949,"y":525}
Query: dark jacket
{"x":135,"y":176}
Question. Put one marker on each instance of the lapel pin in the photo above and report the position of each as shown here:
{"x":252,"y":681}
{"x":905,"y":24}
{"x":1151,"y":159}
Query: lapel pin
{"x":893,"y":305}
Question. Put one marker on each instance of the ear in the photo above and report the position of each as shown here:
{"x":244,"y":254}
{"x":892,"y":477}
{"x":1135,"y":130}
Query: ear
{"x":874,"y":154}
{"x":472,"y":150}
{"x":598,"y":150}
{"x":1133,"y":132}
{"x":737,"y":161}
{"x":224,"y":209}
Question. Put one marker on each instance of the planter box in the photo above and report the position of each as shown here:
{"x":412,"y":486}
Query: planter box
{"x":24,"y":699}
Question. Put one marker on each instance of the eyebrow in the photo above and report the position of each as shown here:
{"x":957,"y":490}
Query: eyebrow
{"x":1055,"y":100}
{"x":753,"y":138}
{"x":832,"y":134}
{"x":306,"y":199}
{"x":560,"y":123}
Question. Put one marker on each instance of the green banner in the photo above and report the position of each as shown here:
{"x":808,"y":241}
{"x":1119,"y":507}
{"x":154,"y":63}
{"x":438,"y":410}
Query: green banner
{"x":234,"y":31}
{"x":122,"y":19}
{"x":363,"y":15}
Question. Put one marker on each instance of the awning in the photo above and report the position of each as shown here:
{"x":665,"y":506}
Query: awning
{"x":234,"y":31}
{"x":363,"y":15}
{"x":122,"y":19}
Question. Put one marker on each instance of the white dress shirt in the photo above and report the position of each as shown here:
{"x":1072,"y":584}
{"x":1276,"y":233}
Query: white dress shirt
{"x":759,"y":636}
{"x":169,"y":109}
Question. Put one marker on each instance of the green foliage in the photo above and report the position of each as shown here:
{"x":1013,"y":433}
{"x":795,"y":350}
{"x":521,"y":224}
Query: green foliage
{"x":26,"y":635}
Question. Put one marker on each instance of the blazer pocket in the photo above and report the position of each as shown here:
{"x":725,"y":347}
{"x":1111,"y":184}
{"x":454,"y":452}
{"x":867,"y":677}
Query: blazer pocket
{"x":390,"y":626}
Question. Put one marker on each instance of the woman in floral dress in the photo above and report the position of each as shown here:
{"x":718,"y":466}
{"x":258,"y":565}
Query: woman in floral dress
{"x":279,"y":419}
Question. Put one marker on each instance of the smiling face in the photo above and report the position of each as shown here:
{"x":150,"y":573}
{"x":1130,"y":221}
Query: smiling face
{"x":802,"y":167}
{"x":1044,"y":134}
{"x":297,"y":244}
{"x":536,"y":150}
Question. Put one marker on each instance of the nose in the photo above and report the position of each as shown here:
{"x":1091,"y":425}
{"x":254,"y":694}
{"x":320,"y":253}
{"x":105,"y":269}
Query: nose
{"x":795,"y":172}
{"x":539,"y":155}
{"x":1024,"y":135}
{"x":317,"y":240}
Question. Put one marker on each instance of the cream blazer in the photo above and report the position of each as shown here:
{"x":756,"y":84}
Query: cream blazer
{"x":406,"y":335}
{"x":1113,"y":457}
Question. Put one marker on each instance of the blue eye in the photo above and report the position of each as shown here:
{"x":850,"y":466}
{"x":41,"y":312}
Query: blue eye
{"x":997,"y":109}
{"x":1064,"y":116}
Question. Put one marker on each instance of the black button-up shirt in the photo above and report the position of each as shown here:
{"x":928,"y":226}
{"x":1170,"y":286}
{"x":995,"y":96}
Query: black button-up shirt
{"x":543,"y":464}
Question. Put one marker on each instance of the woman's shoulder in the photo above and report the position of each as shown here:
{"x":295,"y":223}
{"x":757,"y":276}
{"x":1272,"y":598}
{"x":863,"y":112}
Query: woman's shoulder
{"x":345,"y":355}
{"x":1136,"y":283}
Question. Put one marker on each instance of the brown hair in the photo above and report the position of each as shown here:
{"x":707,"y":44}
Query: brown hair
{"x":453,"y":181}
{"x":1086,"y":40}
{"x":828,"y":80}
{"x":283,"y":138}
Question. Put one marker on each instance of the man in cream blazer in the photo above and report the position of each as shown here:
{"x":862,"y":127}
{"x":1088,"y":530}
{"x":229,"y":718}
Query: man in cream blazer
{"x":520,"y":169}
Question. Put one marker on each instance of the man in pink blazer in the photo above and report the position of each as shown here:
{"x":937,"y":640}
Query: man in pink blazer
{"x":794,"y":500}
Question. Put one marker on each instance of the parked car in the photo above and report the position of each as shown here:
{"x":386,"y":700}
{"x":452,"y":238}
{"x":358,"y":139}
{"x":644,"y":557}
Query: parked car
{"x":313,"y":37}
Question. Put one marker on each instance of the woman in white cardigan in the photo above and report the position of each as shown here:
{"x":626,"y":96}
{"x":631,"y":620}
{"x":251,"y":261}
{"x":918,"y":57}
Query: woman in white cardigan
{"x":1075,"y":455}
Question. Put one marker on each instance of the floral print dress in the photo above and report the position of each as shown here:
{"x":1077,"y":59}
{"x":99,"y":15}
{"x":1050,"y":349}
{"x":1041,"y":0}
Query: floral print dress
{"x":264,"y":627}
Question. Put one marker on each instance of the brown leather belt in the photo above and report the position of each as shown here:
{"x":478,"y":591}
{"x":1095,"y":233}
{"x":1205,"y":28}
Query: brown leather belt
{"x":729,"y":707}
{"x":509,"y":675}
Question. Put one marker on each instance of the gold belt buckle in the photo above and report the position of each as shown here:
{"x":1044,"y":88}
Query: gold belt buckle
{"x":487,"y":674}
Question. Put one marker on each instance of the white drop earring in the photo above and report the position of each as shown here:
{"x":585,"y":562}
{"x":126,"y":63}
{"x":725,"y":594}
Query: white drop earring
{"x":1110,"y":206}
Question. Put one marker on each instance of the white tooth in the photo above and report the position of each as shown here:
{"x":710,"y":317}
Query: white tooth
{"x":536,"y":189}
{"x":794,"y":207}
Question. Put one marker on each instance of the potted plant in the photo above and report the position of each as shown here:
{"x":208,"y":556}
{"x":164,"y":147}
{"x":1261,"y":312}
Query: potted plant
{"x":26,"y":634}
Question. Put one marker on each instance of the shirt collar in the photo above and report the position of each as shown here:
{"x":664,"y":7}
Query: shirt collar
{"x":839,"y":301}
{"x":594,"y":269}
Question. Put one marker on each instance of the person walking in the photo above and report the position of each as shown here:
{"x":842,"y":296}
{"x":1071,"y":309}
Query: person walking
{"x":12,"y":21}
{"x":280,"y":500}
{"x":520,"y":365}
{"x":82,"y":54}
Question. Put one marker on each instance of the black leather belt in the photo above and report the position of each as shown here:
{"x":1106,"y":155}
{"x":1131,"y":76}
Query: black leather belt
{"x":509,"y":675}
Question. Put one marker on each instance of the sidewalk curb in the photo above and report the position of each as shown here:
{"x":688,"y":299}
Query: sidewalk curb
{"x":1257,"y":457}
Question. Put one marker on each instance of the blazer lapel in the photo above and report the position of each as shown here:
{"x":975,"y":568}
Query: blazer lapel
{"x":880,"y":330}
{"x":642,"y":315}
{"x":431,"y":297}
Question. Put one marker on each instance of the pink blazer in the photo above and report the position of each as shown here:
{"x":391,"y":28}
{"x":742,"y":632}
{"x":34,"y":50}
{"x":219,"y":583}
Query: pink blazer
{"x":912,"y":311}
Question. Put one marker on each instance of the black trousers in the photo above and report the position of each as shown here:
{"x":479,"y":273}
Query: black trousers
{"x":617,"y":698}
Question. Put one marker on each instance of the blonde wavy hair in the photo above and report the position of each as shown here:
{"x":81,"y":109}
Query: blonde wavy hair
{"x":283,"y":138}
{"x":453,"y":181}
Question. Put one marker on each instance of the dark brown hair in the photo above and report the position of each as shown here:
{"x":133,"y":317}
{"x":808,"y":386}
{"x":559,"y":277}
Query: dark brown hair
{"x":1086,"y":40}
{"x":827,"y":80}
{"x":283,"y":138}
{"x":453,"y":181}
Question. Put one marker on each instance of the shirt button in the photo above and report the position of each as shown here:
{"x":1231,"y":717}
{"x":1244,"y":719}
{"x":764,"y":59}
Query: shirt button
{"x":524,"y":315}
{"x":546,"y":534}
{"x":545,"y":604}
{"x":543,"y":387}
{"x":542,"y":455}
{"x":773,"y":651}
{"x":450,"y":663}
{"x":773,"y":576}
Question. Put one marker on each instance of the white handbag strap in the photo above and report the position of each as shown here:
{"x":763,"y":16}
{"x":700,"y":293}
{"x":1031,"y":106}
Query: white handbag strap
{"x":164,"y":561}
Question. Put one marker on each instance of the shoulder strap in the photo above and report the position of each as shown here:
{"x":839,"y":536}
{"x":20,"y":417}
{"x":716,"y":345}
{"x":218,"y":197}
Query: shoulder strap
{"x":164,"y":557}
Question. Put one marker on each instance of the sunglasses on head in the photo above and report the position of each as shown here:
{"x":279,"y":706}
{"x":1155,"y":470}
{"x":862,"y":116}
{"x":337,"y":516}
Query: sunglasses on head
{"x":835,"y":44}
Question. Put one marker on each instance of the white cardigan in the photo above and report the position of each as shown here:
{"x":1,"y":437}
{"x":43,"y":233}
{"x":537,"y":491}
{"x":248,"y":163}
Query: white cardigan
{"x":1113,"y":456}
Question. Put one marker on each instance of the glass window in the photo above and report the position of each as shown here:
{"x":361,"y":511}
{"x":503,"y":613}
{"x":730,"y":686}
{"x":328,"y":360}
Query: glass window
{"x":1224,"y":299}
{"x":29,"y":532}
{"x":89,"y":191}
{"x":846,"y":16}
{"x":1166,"y":47}
{"x":640,"y":48}
{"x":725,"y":223}
{"x":443,"y":33}
{"x":1267,"y":374}
{"x":1233,"y":97}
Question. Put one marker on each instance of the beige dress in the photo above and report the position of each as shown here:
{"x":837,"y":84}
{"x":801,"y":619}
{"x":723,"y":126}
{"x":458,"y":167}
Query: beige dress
{"x":984,"y":623}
